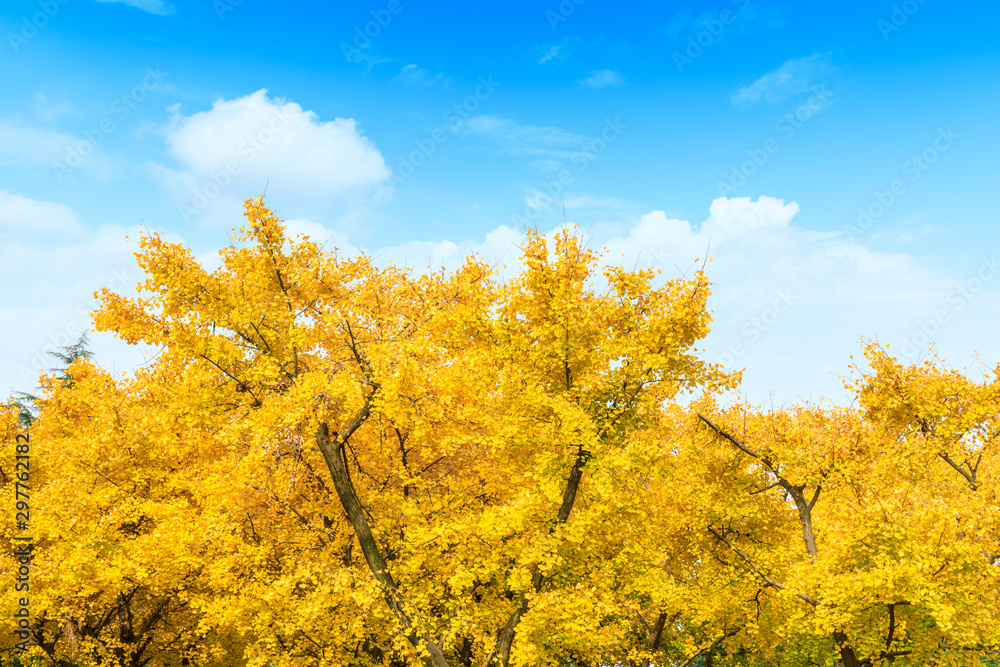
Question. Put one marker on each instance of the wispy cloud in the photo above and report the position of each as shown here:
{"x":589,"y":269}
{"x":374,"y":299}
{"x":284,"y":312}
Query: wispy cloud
{"x":794,"y":77}
{"x":414,"y":75}
{"x":50,"y":111}
{"x":602,"y":78}
{"x":560,"y":51}
{"x":589,"y":201}
{"x":158,"y":7}
{"x":585,"y":204}
{"x":520,"y":140}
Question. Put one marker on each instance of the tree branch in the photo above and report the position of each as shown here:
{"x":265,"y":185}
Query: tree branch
{"x":795,"y":491}
{"x":506,"y":637}
{"x":333,"y":453}
{"x":971,"y":479}
{"x":753,"y":566}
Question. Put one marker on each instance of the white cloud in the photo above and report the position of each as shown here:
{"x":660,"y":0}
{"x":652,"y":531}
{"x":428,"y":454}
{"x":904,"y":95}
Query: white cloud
{"x":550,"y":53}
{"x":602,"y":78}
{"x":22,"y":217}
{"x":790,"y":305}
{"x":500,"y":246}
{"x":317,"y":233}
{"x":157,"y":7}
{"x":830,"y":292}
{"x":21,"y":146}
{"x":56,"y":265}
{"x":236,"y":148}
{"x":366,"y":56}
{"x":794,"y":77}
{"x":414,"y":75}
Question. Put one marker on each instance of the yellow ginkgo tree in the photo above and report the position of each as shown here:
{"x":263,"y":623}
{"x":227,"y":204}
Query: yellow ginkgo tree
{"x":870,"y":535}
{"x":331,"y":462}
{"x":437,"y":457}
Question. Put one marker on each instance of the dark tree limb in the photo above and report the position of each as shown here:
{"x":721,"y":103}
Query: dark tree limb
{"x":506,"y":637}
{"x":333,"y":452}
{"x":796,"y":491}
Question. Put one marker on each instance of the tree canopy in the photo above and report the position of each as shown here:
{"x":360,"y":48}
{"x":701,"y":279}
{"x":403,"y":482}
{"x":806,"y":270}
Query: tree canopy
{"x":332,"y":463}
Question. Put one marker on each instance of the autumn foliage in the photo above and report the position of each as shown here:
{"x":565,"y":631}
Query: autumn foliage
{"x":332,"y":463}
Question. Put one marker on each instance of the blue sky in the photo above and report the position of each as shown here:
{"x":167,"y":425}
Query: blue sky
{"x":421,"y":131}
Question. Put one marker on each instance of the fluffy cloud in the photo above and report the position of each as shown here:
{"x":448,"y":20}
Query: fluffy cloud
{"x":790,"y":305}
{"x":233,"y":150}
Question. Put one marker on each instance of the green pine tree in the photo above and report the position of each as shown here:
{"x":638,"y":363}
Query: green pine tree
{"x":27,"y":404}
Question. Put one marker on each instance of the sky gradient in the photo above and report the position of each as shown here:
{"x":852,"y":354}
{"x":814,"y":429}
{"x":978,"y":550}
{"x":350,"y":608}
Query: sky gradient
{"x":837,"y":160}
